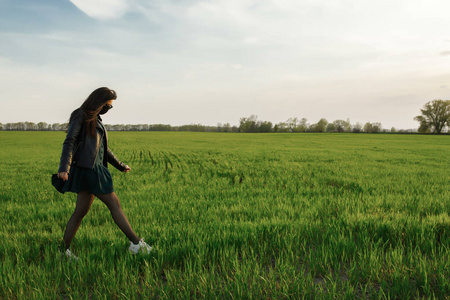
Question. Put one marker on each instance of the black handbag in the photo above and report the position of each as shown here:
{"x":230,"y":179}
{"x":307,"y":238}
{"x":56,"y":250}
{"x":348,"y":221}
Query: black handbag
{"x":58,"y":183}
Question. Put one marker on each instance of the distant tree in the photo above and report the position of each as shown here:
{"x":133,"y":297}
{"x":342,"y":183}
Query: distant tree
{"x":42,"y":126}
{"x":357,"y":128}
{"x":376,"y":127}
{"x":1,"y":126}
{"x":119,"y":127}
{"x":160,"y":127}
{"x":424,"y":127}
{"x":143,"y":127}
{"x":56,"y":126}
{"x":331,"y":127}
{"x":348,"y":125}
{"x":435,"y":116}
{"x":302,"y":125}
{"x":340,"y":126}
{"x":18,"y":126}
{"x":226,"y":127}
{"x":30,"y":126}
{"x":280,"y":127}
{"x":321,"y":126}
{"x":372,"y":127}
{"x":296,"y":125}
{"x":368,"y":127}
{"x":192,"y":127}
{"x":393,"y":130}
{"x":248,"y":124}
{"x":292,"y":124}
{"x":264,"y":126}
{"x":222,"y":127}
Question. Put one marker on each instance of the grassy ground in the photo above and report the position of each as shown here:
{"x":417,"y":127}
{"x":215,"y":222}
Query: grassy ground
{"x":281,"y":216}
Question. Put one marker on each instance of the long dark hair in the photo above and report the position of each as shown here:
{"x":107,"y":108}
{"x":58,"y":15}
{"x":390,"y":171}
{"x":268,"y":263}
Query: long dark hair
{"x":93,"y":105}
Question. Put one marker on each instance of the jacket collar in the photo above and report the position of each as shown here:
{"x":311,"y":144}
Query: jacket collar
{"x":100,"y":123}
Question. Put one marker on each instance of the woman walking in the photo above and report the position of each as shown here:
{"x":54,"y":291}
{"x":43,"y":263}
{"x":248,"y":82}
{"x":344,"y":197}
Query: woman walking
{"x":84,"y":167}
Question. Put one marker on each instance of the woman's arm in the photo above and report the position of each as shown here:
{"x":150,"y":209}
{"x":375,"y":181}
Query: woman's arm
{"x":68,"y":146}
{"x":113,"y":160}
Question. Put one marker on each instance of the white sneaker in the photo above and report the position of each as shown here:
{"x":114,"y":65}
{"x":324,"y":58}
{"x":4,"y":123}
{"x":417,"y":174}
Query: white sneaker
{"x":70,"y":255}
{"x":134,"y":248}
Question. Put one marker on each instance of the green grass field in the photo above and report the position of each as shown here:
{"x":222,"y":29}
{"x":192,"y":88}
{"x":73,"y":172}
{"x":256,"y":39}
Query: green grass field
{"x":232,"y":216}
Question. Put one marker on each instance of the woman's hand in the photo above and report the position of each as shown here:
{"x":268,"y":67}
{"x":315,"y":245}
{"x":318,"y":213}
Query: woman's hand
{"x":63,"y":175}
{"x":127,"y":169}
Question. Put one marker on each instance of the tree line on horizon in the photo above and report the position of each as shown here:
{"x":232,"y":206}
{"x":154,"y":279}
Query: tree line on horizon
{"x":434,"y":118}
{"x":249,"y":124}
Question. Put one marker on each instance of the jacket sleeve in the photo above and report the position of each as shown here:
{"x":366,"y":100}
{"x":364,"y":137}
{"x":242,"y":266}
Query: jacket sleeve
{"x":68,"y":150}
{"x":113,"y":160}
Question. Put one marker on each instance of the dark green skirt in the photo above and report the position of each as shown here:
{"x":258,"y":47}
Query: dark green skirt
{"x":97,"y":181}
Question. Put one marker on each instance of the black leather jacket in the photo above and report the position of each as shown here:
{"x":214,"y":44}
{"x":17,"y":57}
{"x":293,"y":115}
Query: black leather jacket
{"x":81,"y":149}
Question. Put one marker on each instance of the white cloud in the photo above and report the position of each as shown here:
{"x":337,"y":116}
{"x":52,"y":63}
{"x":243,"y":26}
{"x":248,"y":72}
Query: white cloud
{"x":103,"y":9}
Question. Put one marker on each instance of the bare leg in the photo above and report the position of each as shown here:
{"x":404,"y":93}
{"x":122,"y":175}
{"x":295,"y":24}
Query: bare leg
{"x":112,"y":202}
{"x":84,"y":202}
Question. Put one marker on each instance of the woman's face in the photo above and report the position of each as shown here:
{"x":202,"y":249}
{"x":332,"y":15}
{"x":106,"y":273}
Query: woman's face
{"x":106,"y":107}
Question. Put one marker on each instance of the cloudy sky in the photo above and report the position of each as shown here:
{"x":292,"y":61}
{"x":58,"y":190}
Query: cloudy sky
{"x":190,"y":61}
